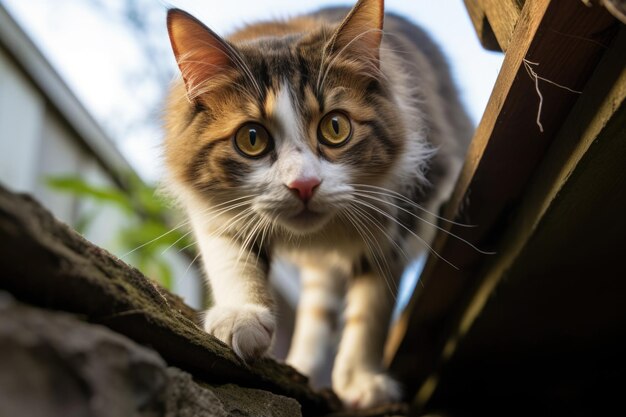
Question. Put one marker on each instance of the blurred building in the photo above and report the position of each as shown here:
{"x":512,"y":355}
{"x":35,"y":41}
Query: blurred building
{"x":45,"y":132}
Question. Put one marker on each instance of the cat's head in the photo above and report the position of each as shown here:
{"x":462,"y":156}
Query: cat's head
{"x":287,"y":119}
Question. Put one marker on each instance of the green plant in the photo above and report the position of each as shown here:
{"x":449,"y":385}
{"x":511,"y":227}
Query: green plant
{"x":148,"y":232}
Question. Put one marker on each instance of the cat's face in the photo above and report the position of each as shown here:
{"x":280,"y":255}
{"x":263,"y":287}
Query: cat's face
{"x":287,"y":124}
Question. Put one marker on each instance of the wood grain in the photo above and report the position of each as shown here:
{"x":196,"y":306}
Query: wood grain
{"x":566,"y":40}
{"x":494,"y":21}
{"x":551,"y":303}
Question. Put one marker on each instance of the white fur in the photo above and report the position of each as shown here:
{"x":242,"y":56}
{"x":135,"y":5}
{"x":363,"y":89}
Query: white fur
{"x":237,"y":318}
{"x":359,"y":388}
{"x":313,"y":333}
{"x":247,"y":328}
{"x":358,"y":377}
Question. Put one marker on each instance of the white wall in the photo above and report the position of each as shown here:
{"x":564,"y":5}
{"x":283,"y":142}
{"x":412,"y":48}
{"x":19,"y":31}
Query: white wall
{"x":21,"y":117}
{"x":37,"y":143}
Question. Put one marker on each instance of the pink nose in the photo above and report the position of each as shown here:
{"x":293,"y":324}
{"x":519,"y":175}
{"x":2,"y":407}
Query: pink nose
{"x":305,"y":187}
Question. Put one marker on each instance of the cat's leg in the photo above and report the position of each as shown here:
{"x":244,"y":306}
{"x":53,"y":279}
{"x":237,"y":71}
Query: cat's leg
{"x":242,"y":314}
{"x":316,"y":320}
{"x":358,"y":377}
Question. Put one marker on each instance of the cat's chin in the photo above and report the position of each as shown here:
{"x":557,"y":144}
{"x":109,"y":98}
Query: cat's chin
{"x":306,"y":221}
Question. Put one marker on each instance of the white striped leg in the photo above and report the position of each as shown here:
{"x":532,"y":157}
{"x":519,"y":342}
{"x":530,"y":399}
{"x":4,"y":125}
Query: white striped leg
{"x":318,"y":308}
{"x":357,"y":376}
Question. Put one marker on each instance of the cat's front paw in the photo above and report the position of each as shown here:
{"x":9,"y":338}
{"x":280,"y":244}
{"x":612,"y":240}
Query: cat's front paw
{"x":247,"y":329}
{"x":360,"y":389}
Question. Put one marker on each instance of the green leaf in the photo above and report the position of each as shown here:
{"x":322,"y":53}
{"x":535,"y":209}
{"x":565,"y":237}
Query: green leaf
{"x":148,"y":211}
{"x":81,"y":188}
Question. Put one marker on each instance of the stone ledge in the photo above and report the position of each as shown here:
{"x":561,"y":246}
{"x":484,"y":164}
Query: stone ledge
{"x":47,"y":264}
{"x":53,"y":364}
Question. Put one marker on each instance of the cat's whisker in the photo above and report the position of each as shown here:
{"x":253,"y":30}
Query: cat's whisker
{"x":250,"y":241}
{"x":195,"y":258}
{"x":359,"y":226}
{"x":387,"y":34}
{"x":395,"y":51}
{"x":369,"y":69}
{"x":214,"y":215}
{"x":265,"y":222}
{"x":205,"y":87}
{"x":391,"y":282}
{"x":221,"y":230}
{"x":246,"y":232}
{"x":321,"y":68}
{"x":390,"y":217}
{"x":251,"y":77}
{"x":380,"y":227}
{"x":176,"y":242}
{"x":199,"y":253}
{"x":266,"y":227}
{"x":178,"y":226}
{"x":379,"y":256}
{"x":242,"y":217}
{"x":427,"y":222}
{"x":395,"y":194}
{"x":183,"y":224}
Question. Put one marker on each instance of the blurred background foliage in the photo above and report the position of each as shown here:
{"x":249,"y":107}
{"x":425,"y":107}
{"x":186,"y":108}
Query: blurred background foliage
{"x":151,"y":229}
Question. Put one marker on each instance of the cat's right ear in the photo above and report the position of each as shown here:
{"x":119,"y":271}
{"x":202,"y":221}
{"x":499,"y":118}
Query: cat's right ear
{"x":361,"y":32}
{"x":200,"y":53}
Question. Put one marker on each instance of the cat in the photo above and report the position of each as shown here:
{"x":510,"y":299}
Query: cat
{"x":324,"y":140}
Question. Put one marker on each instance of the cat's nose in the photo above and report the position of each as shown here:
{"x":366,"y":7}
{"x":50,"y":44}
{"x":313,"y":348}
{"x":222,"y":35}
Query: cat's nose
{"x":304,"y":187}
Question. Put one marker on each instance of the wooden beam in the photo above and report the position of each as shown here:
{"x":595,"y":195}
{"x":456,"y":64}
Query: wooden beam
{"x":561,"y":42}
{"x":494,"y":21}
{"x":483,"y":28}
{"x":553,"y":287}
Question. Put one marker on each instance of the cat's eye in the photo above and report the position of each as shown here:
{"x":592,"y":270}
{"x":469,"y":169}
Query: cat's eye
{"x":253,"y":140}
{"x":334,"y":129}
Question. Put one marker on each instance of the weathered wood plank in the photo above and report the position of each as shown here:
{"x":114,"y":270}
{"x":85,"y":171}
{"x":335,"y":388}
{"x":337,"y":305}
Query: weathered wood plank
{"x":494,"y":21}
{"x":566,"y":40}
{"x":556,"y":286}
{"x":483,"y":28}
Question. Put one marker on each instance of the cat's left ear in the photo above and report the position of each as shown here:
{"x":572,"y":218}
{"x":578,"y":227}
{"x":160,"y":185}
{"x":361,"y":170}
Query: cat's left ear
{"x":360,"y":33}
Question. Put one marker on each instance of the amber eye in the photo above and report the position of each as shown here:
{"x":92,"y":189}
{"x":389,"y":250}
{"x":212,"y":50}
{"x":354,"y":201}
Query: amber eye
{"x":253,"y":140}
{"x":334,"y":129}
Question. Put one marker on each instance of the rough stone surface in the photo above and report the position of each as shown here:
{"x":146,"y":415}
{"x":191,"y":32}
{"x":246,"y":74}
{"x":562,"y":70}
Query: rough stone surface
{"x":101,"y":360}
{"x":186,"y":397}
{"x":45,"y":263}
{"x":237,"y":401}
{"x":53,"y":365}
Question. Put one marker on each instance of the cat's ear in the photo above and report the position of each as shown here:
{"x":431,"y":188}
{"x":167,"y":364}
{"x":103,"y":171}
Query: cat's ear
{"x":360,"y":33}
{"x":200,"y":53}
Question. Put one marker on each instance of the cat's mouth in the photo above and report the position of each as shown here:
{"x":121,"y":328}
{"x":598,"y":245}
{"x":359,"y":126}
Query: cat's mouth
{"x":306,"y":220}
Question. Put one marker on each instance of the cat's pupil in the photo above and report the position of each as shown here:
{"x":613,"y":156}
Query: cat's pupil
{"x":252,"y":134}
{"x":335,"y":123}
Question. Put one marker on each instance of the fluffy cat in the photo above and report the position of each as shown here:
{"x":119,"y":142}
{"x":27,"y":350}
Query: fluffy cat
{"x":325,"y":140}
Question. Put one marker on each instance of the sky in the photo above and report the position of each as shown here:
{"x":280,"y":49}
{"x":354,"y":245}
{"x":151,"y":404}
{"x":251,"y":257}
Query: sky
{"x":101,"y":60}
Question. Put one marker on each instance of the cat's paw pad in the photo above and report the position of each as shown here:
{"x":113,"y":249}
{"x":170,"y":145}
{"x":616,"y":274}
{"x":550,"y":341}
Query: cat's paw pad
{"x":364,"y":389}
{"x":248,"y":329}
